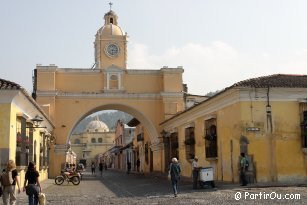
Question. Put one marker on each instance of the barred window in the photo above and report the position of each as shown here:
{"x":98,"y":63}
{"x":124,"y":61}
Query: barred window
{"x":304,"y":130}
{"x":211,"y":138}
{"x":189,"y":143}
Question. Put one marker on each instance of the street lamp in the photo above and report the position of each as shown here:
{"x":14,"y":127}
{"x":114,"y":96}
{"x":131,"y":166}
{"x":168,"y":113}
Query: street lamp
{"x":37,"y":120}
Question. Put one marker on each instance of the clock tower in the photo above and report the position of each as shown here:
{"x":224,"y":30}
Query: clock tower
{"x":110,"y":44}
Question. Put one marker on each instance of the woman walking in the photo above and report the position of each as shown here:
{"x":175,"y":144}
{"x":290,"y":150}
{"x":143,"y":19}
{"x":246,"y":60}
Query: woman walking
{"x":93,"y":166}
{"x":33,"y":188}
{"x":175,"y":175}
{"x":8,"y":180}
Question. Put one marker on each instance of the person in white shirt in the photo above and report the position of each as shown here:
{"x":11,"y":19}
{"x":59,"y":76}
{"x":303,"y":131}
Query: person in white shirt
{"x":195,"y":170}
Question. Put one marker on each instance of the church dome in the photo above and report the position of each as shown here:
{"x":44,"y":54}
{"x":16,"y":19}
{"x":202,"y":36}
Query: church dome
{"x":111,"y":29}
{"x":97,"y":126}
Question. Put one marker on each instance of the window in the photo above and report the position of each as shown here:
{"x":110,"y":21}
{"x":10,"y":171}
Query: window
{"x":77,"y":141}
{"x":93,"y":140}
{"x":111,"y":20}
{"x":21,"y":142}
{"x":189,"y":143}
{"x":140,"y":137}
{"x":304,"y":130}
{"x":113,"y":82}
{"x":100,"y":140}
{"x":210,"y":138}
{"x":146,"y":153}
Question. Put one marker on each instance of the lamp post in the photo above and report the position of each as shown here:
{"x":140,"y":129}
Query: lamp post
{"x":37,"y":120}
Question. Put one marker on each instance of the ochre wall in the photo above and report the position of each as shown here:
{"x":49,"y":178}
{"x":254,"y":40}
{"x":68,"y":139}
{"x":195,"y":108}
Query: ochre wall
{"x":277,"y":155}
{"x":8,"y":122}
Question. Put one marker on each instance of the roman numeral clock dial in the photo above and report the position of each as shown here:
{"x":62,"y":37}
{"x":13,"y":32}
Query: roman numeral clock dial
{"x":112,"y":50}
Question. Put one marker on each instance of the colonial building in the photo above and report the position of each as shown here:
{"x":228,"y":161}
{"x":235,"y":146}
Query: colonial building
{"x":264,"y":117}
{"x":93,"y":142}
{"x":25,"y":130}
{"x":141,"y":149}
{"x":122,"y":152}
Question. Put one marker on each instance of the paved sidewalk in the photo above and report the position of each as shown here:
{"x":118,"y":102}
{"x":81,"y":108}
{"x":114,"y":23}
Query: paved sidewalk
{"x":229,"y":185}
{"x":115,"y":187}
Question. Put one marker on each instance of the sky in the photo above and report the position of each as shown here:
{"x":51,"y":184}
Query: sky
{"x":218,"y":42}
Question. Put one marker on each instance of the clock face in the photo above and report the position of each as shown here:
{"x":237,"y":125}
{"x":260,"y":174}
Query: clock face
{"x":112,"y":49}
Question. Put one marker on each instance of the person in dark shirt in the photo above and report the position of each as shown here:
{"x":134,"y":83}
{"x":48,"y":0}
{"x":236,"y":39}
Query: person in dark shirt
{"x":175,"y":175}
{"x":33,"y":187}
{"x":128,"y":167}
{"x":93,"y":166}
{"x":101,"y":168}
{"x":9,"y":192}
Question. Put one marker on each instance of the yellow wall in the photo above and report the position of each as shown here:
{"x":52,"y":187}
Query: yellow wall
{"x":8,"y":133}
{"x":277,"y":155}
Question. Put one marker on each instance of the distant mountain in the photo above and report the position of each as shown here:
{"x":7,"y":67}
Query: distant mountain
{"x":110,"y":118}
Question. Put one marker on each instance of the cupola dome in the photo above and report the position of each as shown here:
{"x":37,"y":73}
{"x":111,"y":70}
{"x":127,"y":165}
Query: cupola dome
{"x":97,"y":126}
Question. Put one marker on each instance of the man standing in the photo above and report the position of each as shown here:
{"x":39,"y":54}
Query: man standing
{"x":100,"y":168}
{"x":128,"y":167}
{"x":138,"y":163}
{"x":93,"y":166}
{"x":195,"y":170}
{"x":243,"y":169}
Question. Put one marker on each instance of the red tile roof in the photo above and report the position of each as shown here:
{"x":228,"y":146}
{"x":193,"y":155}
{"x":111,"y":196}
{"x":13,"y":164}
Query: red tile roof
{"x":276,"y":80}
{"x":8,"y":85}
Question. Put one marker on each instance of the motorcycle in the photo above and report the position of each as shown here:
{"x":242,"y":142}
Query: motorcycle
{"x":73,"y":177}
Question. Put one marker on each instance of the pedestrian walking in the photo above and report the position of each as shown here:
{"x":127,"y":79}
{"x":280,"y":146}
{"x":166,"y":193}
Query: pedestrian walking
{"x":93,"y":166}
{"x":243,"y":166}
{"x":9,"y":180}
{"x":128,"y":167}
{"x":138,"y":163}
{"x":101,"y":168}
{"x":175,"y":175}
{"x":195,"y":170}
{"x":31,"y":184}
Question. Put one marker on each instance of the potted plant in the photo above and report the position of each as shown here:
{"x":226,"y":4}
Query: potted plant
{"x":18,"y":141}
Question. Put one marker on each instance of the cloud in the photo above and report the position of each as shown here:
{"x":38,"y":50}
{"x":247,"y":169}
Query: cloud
{"x":218,"y":65}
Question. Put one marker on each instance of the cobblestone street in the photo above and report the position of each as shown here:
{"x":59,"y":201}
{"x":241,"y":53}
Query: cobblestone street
{"x":119,"y":188}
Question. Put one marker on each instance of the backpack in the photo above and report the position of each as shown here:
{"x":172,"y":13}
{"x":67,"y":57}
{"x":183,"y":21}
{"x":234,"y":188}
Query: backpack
{"x":7,"y":178}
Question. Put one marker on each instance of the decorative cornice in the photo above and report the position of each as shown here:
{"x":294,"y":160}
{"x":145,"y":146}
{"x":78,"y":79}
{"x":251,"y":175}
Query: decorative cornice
{"x":179,"y":69}
{"x":142,"y":72}
{"x":172,"y":94}
{"x":98,"y":95}
{"x":67,"y":70}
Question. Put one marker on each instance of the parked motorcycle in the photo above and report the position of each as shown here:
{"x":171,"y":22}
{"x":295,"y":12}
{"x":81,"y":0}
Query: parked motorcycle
{"x":73,"y":177}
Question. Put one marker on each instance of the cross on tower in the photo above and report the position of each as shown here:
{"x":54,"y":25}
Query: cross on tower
{"x":110,"y":5}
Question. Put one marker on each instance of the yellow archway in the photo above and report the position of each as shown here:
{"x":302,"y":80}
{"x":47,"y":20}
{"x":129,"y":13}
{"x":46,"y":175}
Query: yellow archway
{"x":70,"y":94}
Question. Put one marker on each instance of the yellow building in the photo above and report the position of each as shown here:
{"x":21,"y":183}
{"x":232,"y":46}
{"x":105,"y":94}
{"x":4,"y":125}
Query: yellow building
{"x":151,"y":96}
{"x":142,"y":150}
{"x":93,"y":142}
{"x":265,"y":117}
{"x":22,"y":138}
